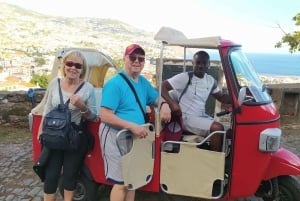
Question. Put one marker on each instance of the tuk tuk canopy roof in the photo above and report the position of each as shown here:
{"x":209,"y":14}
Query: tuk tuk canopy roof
{"x":93,"y":57}
{"x":173,"y":37}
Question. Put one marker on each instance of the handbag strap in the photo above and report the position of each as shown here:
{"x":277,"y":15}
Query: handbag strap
{"x":60,"y":92}
{"x":190,"y":74}
{"x":135,"y":95}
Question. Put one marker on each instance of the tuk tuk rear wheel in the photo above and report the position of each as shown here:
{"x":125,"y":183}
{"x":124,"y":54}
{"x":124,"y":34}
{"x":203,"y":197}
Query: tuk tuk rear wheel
{"x":86,"y":190}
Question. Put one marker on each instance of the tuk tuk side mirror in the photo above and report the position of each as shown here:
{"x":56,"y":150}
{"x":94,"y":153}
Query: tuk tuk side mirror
{"x":242,"y":96}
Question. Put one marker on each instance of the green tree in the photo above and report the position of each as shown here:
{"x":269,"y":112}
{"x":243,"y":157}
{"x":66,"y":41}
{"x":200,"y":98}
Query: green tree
{"x":41,"y":80}
{"x":40,"y":61}
{"x":291,"y":39}
{"x":119,"y":62}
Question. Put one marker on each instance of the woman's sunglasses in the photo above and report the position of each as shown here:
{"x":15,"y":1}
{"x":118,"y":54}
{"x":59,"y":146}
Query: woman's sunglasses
{"x":133,"y":58}
{"x":71,"y":64}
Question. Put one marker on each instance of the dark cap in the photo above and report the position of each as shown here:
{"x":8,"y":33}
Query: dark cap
{"x":132,"y":48}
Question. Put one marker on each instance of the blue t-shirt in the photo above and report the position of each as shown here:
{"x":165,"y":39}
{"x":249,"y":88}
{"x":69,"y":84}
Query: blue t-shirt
{"x":118,"y":96}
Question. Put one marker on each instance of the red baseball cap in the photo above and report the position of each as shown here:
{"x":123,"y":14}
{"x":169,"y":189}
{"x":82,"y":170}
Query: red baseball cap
{"x":132,"y":48}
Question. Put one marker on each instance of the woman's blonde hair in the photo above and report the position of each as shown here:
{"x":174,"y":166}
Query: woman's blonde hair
{"x":75,"y":53}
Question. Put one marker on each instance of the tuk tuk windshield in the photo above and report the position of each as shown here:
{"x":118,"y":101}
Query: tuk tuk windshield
{"x":247,"y":77}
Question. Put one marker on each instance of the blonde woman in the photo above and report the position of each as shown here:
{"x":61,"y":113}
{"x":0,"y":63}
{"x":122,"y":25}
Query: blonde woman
{"x":82,"y":105}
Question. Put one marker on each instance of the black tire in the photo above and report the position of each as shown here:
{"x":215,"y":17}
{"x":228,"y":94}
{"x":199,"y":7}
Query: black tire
{"x":289,"y":188}
{"x":86,"y":190}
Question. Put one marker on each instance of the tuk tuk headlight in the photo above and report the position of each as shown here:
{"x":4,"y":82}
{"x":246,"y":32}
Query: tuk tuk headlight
{"x":269,"y":140}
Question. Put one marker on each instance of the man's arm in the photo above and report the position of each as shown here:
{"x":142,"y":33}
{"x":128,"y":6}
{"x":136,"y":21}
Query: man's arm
{"x":164,"y":110}
{"x":165,"y":88}
{"x":223,"y":98}
{"x":174,"y":106}
{"x":107,"y":116}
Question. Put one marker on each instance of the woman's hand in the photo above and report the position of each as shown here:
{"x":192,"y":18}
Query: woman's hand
{"x":76,"y":100}
{"x":40,"y":130}
{"x":38,"y":137}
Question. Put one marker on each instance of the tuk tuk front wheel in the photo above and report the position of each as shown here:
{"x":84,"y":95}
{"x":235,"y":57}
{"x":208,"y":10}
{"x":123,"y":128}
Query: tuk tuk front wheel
{"x":289,"y":189}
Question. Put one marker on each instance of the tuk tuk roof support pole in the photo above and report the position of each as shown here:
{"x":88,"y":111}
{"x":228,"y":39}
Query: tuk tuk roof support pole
{"x":184,"y":59}
{"x":159,"y":83}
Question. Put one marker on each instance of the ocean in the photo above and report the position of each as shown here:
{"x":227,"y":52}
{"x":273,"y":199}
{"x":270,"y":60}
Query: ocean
{"x":275,"y":64}
{"x":272,"y":63}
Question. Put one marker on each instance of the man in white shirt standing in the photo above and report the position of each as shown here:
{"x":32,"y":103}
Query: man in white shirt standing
{"x":189,"y":100}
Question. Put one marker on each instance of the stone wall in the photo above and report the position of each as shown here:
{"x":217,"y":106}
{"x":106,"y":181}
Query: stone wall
{"x":16,"y":105}
{"x":287,"y":99}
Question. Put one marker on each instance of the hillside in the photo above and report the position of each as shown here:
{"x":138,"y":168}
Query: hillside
{"x":28,"y":33}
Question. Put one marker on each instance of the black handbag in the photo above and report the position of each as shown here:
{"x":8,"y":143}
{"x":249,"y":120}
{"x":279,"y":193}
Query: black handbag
{"x":39,"y":166}
{"x":82,"y":128}
{"x":58,"y":132}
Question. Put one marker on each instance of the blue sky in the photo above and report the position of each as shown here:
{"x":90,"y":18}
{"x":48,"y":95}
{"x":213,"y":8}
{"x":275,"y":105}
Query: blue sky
{"x":253,"y":23}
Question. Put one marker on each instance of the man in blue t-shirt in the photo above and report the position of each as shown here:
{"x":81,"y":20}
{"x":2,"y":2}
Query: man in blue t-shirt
{"x":120,"y":110}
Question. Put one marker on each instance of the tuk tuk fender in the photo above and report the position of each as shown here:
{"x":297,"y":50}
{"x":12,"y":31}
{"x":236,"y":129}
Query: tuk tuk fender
{"x":283,"y":162}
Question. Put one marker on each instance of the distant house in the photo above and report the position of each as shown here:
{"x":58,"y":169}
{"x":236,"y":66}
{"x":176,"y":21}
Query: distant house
{"x":3,"y":76}
{"x":12,"y":83}
{"x":16,"y":78}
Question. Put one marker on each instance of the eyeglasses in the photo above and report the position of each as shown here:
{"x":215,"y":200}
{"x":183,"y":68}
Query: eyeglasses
{"x":71,"y":64}
{"x":133,"y":58}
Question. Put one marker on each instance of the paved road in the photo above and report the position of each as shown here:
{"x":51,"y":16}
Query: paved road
{"x":19,"y":183}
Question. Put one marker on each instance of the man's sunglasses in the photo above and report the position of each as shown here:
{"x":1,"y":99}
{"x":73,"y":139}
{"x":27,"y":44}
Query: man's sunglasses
{"x":71,"y":64}
{"x":133,"y":58}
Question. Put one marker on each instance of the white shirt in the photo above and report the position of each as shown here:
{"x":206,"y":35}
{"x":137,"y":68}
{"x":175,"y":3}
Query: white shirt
{"x":194,"y":99}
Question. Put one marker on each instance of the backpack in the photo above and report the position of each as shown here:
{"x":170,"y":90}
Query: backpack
{"x":58,"y":132}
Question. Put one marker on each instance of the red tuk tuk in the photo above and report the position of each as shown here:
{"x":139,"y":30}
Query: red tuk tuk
{"x":252,"y":162}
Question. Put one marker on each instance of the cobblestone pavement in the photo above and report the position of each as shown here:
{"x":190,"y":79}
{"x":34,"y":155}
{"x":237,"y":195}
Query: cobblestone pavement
{"x":19,"y":183}
{"x":17,"y":180}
